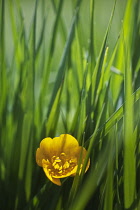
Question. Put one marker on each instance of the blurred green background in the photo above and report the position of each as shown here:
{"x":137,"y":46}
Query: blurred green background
{"x":70,"y":67}
{"x":101,"y":17}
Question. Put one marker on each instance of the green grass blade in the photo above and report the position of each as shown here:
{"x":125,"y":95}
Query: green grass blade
{"x":129,"y":138}
{"x":98,"y":68}
{"x":91,"y":182}
{"x":62,"y":69}
{"x":3,"y":80}
{"x":116,"y":116}
{"x":94,"y":97}
{"x":109,"y":185}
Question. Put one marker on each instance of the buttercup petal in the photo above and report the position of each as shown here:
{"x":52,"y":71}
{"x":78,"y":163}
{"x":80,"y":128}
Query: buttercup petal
{"x":39,"y":157}
{"x":46,"y":146}
{"x":68,"y":143}
{"x":65,"y":143}
{"x":57,"y":146}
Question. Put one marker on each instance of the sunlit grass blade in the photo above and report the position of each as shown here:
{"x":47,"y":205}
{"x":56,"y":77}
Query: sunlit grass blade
{"x":62,"y":25}
{"x":98,"y":68}
{"x":95,"y":81}
{"x":129,"y":143}
{"x":52,"y":120}
{"x":3,"y":81}
{"x":117,"y":115}
{"x":51,"y":49}
{"x":109,"y":184}
{"x":91,"y":46}
{"x":91,"y":182}
{"x":62,"y":67}
{"x":129,"y":138}
{"x":108,"y":197}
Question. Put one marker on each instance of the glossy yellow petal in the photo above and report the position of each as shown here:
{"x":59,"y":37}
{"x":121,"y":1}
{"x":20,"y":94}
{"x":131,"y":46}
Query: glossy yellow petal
{"x":39,"y":156}
{"x":57,"y":146}
{"x":46,"y":147}
{"x":65,"y":143}
{"x":68,"y":143}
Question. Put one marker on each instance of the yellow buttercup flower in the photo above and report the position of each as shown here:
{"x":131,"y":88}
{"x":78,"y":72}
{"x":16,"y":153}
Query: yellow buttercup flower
{"x":60,"y":156}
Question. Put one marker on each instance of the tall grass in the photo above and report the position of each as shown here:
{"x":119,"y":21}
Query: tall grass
{"x":57,"y":76}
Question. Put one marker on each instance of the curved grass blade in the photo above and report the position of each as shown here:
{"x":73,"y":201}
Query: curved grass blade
{"x":116,"y":116}
{"x":62,"y":68}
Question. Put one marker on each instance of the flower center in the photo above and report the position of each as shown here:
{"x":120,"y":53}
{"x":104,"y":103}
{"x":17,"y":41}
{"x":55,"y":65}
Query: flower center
{"x":61,"y":165}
